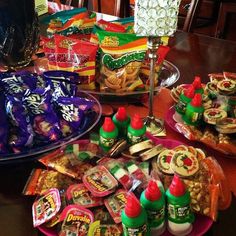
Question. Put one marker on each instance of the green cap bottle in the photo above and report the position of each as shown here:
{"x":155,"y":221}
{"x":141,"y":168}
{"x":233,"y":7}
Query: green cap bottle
{"x":121,"y":120}
{"x":180,"y":216}
{"x":185,"y":97}
{"x":134,"y":218}
{"x":153,"y":201}
{"x":108,"y":134}
{"x":194,"y":111}
{"x":136,"y":130}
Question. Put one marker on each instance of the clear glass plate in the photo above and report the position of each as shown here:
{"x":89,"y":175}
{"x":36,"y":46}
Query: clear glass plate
{"x":168,"y":76}
{"x":34,"y":152}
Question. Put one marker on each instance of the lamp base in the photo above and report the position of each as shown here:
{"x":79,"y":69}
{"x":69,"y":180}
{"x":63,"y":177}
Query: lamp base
{"x":155,"y":126}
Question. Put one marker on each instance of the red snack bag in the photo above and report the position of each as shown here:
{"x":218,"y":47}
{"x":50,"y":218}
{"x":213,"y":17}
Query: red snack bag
{"x":112,"y":27}
{"x":77,"y":56}
{"x":49,"y":50}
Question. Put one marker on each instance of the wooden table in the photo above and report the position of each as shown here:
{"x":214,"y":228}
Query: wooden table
{"x":193,"y":55}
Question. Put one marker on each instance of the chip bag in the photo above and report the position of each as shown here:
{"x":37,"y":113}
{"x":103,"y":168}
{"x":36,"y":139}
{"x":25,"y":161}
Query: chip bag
{"x":121,"y":58}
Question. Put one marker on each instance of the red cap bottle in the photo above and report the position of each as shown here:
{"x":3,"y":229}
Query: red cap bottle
{"x":197,"y":84}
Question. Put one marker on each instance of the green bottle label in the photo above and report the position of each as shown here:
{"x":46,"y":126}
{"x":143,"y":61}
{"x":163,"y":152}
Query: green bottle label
{"x":135,"y":139}
{"x":179,"y":214}
{"x":181,"y":107}
{"x":139,"y":231}
{"x":107,"y":142}
{"x":156,"y":217}
{"x":193,"y":117}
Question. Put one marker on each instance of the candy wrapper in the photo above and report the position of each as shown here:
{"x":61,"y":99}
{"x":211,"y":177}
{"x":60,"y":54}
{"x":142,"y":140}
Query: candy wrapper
{"x":76,"y":220}
{"x":43,"y":117}
{"x":121,"y":59}
{"x":67,"y":164}
{"x":71,"y":112}
{"x":62,"y":83}
{"x":77,"y":56}
{"x":99,"y":181}
{"x":80,"y":195}
{"x":46,"y":207}
{"x":4,"y":130}
{"x":41,"y":181}
{"x":21,"y":135}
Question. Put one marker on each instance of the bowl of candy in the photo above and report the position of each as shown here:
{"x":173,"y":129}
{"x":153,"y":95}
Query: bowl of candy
{"x":41,"y":112}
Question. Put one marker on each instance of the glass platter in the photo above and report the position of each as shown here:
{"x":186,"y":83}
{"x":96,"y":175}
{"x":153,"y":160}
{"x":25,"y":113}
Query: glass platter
{"x":92,"y":118}
{"x":168,"y":76}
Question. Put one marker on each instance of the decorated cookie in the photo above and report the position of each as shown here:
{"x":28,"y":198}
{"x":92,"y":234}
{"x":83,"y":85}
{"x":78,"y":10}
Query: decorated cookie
{"x":164,"y":160}
{"x":226,"y":126}
{"x":213,"y":115}
{"x":184,"y":163}
{"x":99,"y":181}
{"x":226,"y":87}
{"x":150,"y":153}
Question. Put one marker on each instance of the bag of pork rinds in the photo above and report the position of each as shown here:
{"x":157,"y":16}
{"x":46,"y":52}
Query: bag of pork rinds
{"x":77,"y":56}
{"x":120,"y":61}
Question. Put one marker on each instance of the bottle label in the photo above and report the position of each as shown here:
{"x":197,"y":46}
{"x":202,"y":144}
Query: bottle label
{"x":179,"y":214}
{"x":156,"y":217}
{"x":181,"y":106}
{"x":107,"y":142}
{"x":134,"y":139}
{"x":140,"y":231}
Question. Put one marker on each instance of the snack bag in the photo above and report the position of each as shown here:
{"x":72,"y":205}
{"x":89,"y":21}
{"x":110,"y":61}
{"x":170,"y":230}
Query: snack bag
{"x":41,"y":181}
{"x":66,"y":164}
{"x":121,"y":58}
{"x":4,"y":130}
{"x":77,"y":56}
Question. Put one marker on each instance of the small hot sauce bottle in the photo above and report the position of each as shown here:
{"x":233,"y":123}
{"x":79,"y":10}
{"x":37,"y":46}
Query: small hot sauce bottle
{"x":136,"y":130}
{"x":197,"y":84}
{"x":108,"y":134}
{"x":153,"y":201}
{"x":185,"y":97}
{"x":121,"y":120}
{"x":180,"y":216}
{"x":134,"y":218}
{"x":194,"y":111}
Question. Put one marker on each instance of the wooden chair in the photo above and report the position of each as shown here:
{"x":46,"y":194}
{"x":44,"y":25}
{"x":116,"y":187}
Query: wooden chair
{"x":74,"y":3}
{"x":225,"y":9}
{"x":111,"y":7}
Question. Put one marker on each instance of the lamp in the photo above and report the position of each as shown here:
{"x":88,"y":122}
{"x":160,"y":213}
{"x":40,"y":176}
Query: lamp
{"x":155,"y":19}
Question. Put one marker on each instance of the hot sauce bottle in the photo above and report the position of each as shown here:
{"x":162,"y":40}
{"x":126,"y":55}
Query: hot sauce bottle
{"x":185,"y":97}
{"x":121,"y":120}
{"x":153,"y":201}
{"x":136,"y":130}
{"x":108,"y":134}
{"x":134,"y":218}
{"x":194,"y":111}
{"x":180,"y":217}
{"x":197,"y":84}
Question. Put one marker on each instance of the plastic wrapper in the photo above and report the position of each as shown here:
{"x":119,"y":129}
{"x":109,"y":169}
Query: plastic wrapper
{"x":42,"y":180}
{"x":66,"y":164}
{"x":46,"y":207}
{"x":21,"y":134}
{"x":62,"y":83}
{"x":43,"y":117}
{"x":77,"y":56}
{"x":121,"y":59}
{"x":80,"y":195}
{"x":75,"y":220}
{"x":4,"y":127}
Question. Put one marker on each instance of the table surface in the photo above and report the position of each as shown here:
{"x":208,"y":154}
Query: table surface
{"x":193,"y":55}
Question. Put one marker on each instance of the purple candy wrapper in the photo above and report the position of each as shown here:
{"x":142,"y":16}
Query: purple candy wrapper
{"x":4,"y":129}
{"x":21,"y":130}
{"x":43,"y":116}
{"x":70,"y":115}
